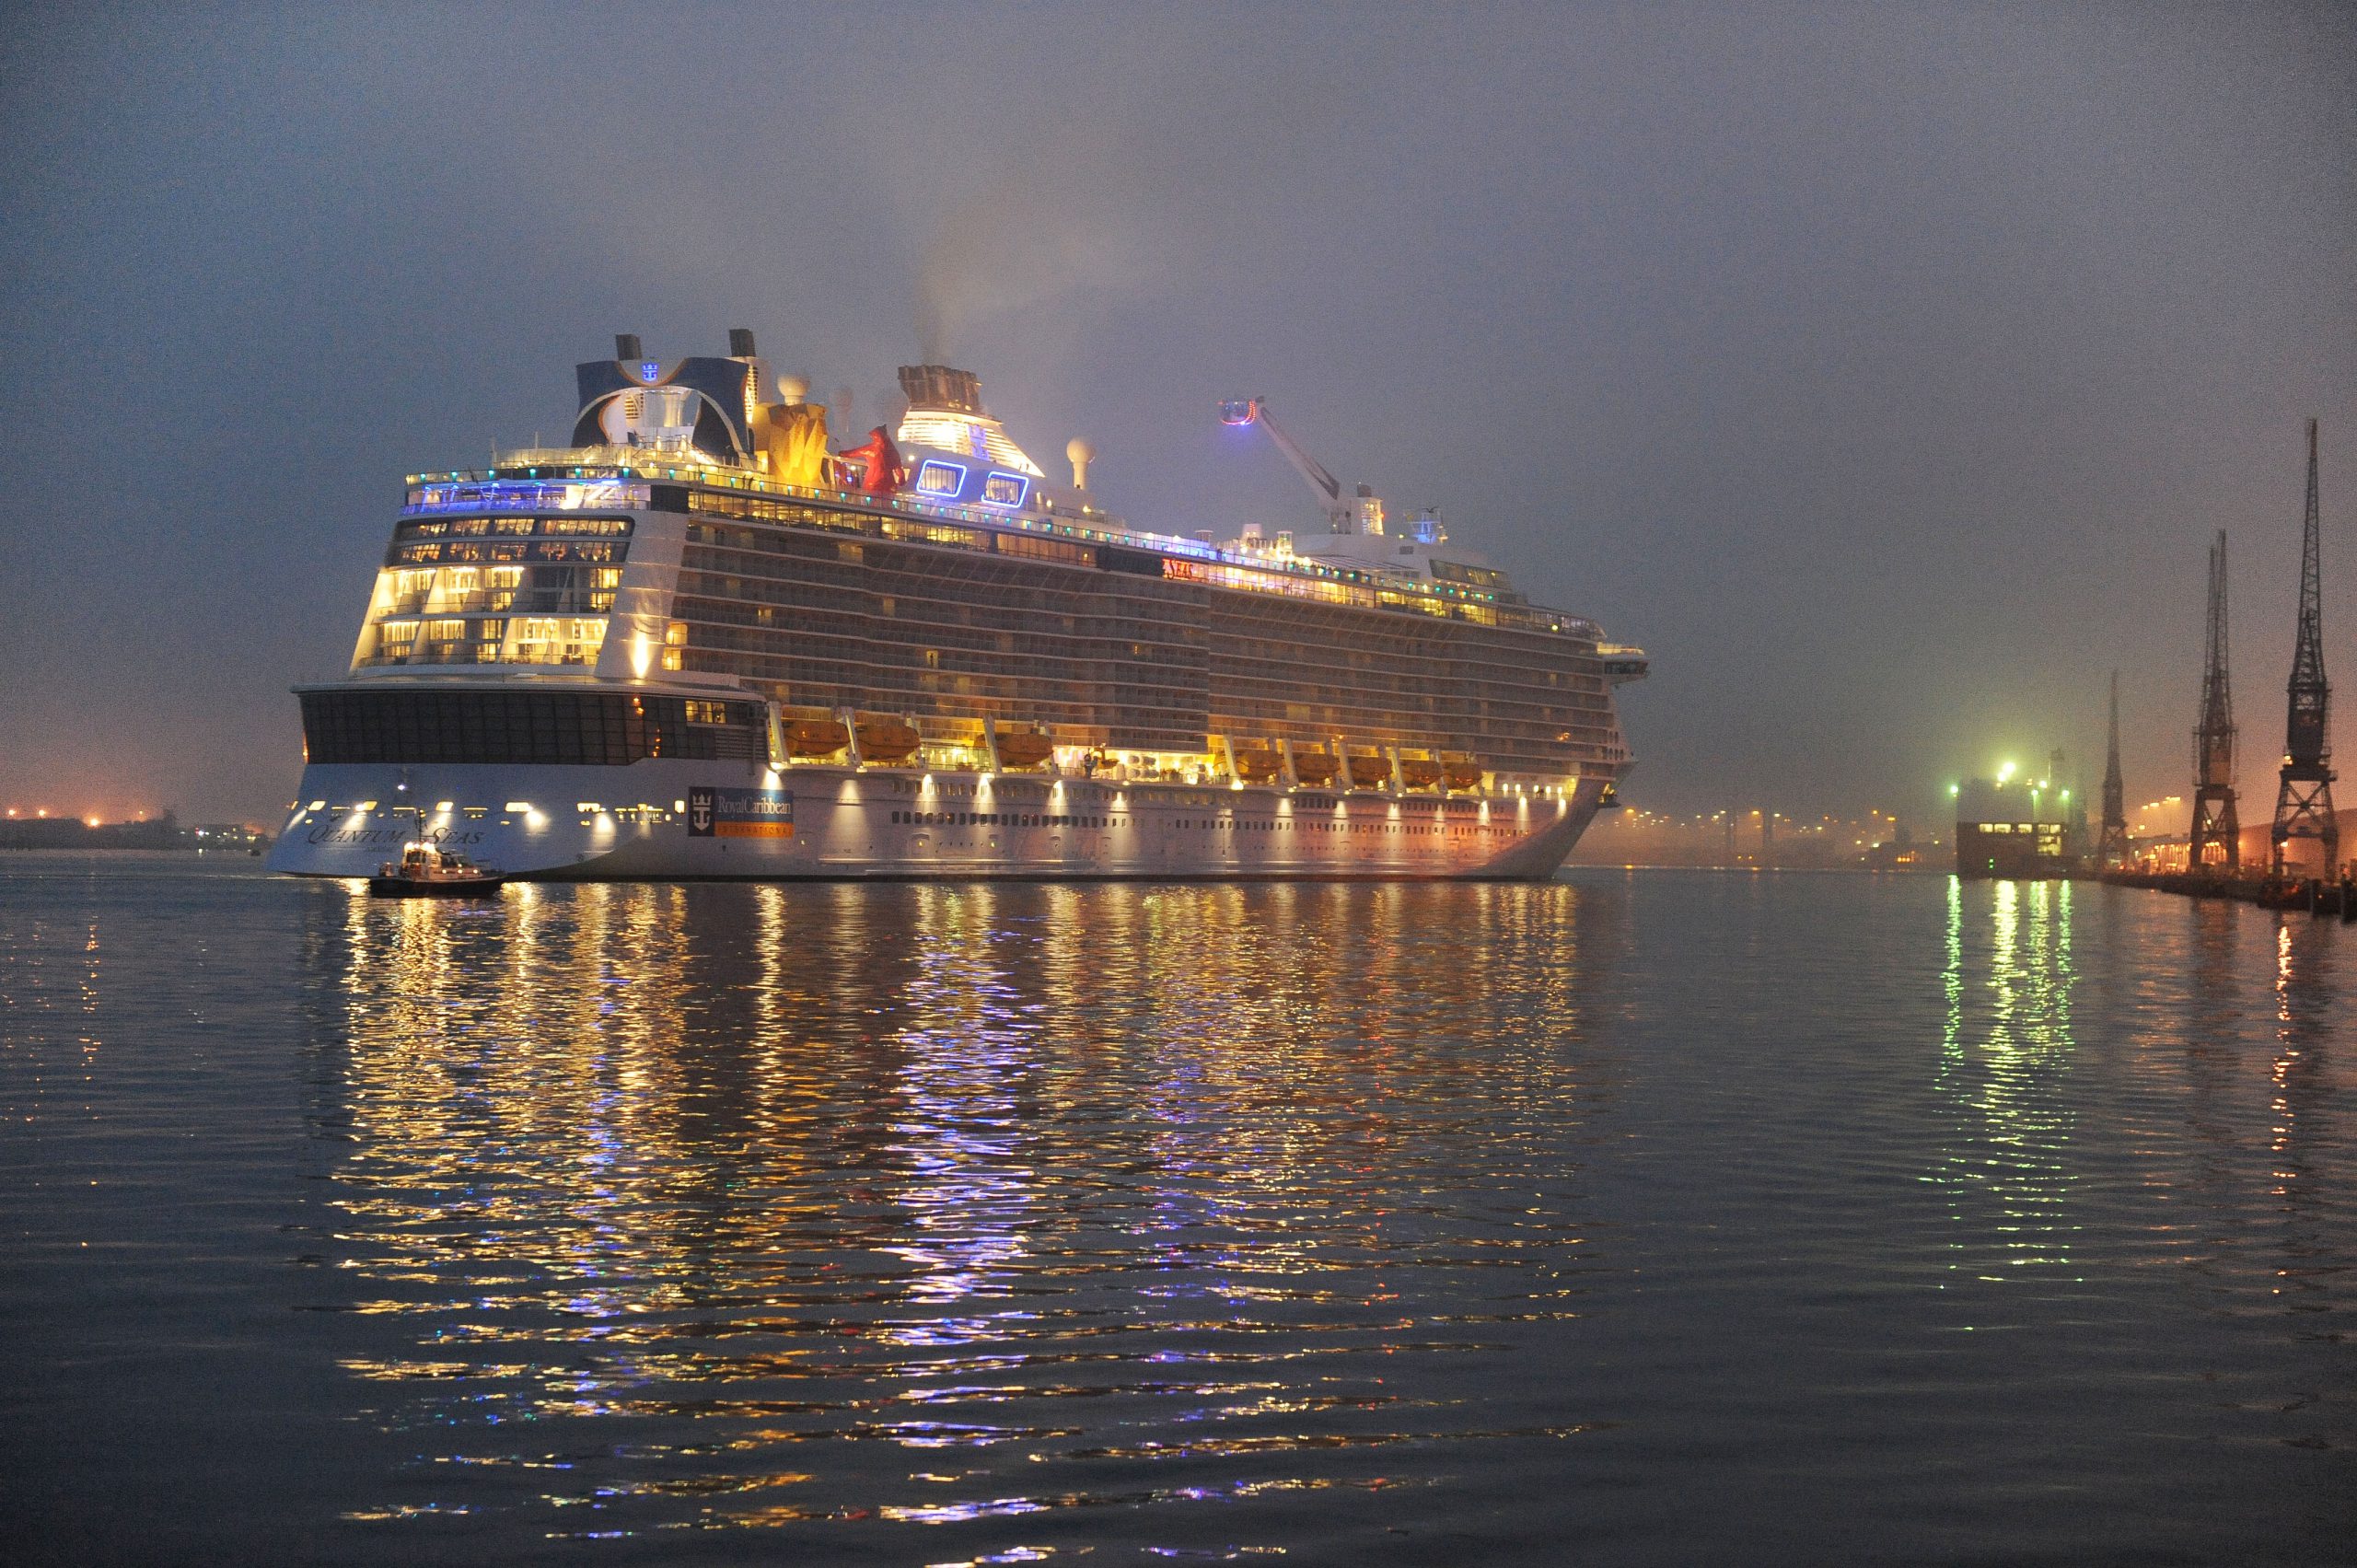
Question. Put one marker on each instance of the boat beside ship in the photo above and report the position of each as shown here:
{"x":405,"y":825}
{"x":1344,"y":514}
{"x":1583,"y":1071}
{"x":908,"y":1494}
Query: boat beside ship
{"x":704,"y":640}
{"x":428,"y":871}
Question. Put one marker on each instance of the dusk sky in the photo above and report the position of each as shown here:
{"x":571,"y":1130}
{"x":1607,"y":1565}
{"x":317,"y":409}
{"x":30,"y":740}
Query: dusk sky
{"x":1882,"y":371}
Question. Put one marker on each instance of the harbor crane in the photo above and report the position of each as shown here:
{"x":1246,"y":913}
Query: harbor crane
{"x":2304,"y":799}
{"x":1340,"y":514}
{"x":2216,"y":834}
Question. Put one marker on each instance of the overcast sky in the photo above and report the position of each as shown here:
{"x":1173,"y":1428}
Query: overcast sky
{"x":1882,"y":371}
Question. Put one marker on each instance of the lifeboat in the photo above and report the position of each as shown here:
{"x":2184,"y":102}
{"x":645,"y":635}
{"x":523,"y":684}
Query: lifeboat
{"x":815,"y":737}
{"x":1420,"y":773}
{"x":1258,"y":767}
{"x":1024,"y":747}
{"x":1465,"y":776}
{"x":1370,"y":773}
{"x":886,"y":741}
{"x":1315,"y":767}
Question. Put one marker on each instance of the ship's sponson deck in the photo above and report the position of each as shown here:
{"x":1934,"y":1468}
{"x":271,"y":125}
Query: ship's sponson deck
{"x":506,"y":719}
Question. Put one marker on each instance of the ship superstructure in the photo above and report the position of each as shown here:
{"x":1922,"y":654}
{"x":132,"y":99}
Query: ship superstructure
{"x":706,"y":639}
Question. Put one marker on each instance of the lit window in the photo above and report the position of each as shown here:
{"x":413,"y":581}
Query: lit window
{"x":937,"y":478}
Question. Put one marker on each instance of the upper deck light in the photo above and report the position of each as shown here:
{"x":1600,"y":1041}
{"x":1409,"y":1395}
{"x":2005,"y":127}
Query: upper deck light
{"x":938,"y":477}
{"x":527,"y":495}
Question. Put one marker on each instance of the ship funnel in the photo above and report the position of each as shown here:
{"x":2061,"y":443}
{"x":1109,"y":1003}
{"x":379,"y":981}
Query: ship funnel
{"x":939,"y":387}
{"x":740,"y":342}
{"x":1081,"y":454}
{"x":945,"y":412}
{"x":626,"y":345}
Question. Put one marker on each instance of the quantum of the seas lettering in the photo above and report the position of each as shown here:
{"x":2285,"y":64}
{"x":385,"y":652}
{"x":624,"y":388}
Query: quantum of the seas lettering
{"x":437,"y":836}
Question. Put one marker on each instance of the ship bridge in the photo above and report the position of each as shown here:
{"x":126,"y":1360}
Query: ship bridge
{"x":1623,"y":663}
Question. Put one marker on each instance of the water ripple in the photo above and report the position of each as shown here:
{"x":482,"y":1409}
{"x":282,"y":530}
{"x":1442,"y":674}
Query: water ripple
{"x":1674,"y":1217}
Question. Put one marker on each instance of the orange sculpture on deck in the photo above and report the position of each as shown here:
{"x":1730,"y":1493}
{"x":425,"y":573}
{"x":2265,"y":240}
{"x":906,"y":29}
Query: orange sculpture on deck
{"x":793,"y":436}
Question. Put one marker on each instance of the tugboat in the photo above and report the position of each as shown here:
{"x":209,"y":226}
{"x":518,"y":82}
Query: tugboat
{"x":425,"y":872}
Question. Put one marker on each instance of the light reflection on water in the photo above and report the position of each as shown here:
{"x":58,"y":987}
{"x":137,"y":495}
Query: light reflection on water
{"x":2006,"y":1052}
{"x":1649,"y":1219}
{"x":692,"y":1200}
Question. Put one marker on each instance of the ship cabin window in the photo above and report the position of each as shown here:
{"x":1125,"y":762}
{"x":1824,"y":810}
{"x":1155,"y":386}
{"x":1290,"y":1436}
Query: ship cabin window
{"x":522,"y":727}
{"x":512,"y":527}
{"x":549,"y":639}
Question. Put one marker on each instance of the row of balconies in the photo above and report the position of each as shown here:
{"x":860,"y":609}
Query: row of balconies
{"x":517,"y":601}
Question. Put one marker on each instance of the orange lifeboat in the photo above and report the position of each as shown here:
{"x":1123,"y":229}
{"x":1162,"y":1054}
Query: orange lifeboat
{"x":1024,"y":747}
{"x":1420,"y":773}
{"x":1258,"y":767}
{"x":1370,"y":773}
{"x":1315,"y":767}
{"x":815,"y":737}
{"x":887,"y":742}
{"x":1465,"y":776}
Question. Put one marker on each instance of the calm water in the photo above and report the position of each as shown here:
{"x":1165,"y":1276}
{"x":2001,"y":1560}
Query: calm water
{"x":1650,"y":1218}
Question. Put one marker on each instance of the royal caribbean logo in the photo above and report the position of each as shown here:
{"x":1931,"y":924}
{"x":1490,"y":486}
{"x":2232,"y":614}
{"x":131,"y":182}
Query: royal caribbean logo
{"x":715,"y":813}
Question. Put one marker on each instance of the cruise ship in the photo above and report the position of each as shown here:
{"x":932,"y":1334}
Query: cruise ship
{"x":712,"y":637}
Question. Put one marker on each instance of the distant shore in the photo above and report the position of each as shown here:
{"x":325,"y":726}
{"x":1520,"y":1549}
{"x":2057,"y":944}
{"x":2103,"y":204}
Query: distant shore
{"x":165,"y":832}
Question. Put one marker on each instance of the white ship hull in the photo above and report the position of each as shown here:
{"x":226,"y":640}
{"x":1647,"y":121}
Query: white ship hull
{"x":658,"y":820}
